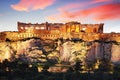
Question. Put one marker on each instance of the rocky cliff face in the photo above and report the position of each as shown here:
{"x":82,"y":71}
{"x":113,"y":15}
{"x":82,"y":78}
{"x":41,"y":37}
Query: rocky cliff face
{"x":115,"y":56}
{"x":91,"y":51}
{"x":21,"y":49}
{"x":36,"y":50}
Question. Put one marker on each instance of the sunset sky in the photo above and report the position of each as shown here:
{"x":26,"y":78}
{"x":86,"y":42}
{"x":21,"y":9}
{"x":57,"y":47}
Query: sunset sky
{"x":39,"y":11}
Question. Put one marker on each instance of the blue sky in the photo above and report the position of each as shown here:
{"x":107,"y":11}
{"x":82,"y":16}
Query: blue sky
{"x":39,"y":11}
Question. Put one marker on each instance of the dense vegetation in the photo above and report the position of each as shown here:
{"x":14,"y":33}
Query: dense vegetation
{"x":18,"y":70}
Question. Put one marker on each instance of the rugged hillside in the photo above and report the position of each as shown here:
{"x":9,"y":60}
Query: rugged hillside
{"x":58,"y":51}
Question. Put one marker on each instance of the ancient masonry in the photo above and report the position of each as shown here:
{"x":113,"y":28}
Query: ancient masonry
{"x":86,"y":32}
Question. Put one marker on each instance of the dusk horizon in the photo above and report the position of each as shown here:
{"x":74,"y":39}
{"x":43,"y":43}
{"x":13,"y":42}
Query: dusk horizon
{"x":60,"y":11}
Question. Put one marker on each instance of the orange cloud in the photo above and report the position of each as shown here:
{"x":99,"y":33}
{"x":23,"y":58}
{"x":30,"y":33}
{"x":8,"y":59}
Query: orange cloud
{"x":25,"y":5}
{"x":98,"y":13}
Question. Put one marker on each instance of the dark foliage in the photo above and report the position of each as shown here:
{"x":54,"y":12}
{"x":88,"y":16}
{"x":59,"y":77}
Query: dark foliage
{"x":21,"y":71}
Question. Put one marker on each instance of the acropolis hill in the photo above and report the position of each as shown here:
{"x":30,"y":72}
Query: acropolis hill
{"x":70,"y":30}
{"x":67,"y":39}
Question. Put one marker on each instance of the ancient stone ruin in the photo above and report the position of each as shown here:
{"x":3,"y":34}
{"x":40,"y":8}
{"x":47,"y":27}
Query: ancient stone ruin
{"x":72,"y":37}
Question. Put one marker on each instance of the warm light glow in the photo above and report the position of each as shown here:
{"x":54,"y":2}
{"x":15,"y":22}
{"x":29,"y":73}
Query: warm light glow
{"x":21,"y":27}
{"x":83,"y":29}
{"x":31,"y":29}
{"x":37,"y":27}
{"x":42,"y":27}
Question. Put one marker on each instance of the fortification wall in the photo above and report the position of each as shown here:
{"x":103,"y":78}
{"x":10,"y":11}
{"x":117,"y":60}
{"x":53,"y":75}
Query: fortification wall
{"x":14,"y":36}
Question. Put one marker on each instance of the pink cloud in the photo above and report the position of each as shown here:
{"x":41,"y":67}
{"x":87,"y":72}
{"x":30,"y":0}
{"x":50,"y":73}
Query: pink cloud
{"x":103,"y":12}
{"x":99,"y":1}
{"x":98,"y":13}
{"x":25,"y":5}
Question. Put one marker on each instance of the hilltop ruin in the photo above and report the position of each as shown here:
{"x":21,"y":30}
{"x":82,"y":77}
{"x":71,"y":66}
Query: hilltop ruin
{"x":86,"y":32}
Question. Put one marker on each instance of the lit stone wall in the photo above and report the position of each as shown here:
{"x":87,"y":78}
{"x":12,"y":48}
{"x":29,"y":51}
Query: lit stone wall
{"x":14,"y":36}
{"x":115,"y":53}
{"x":56,"y":34}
